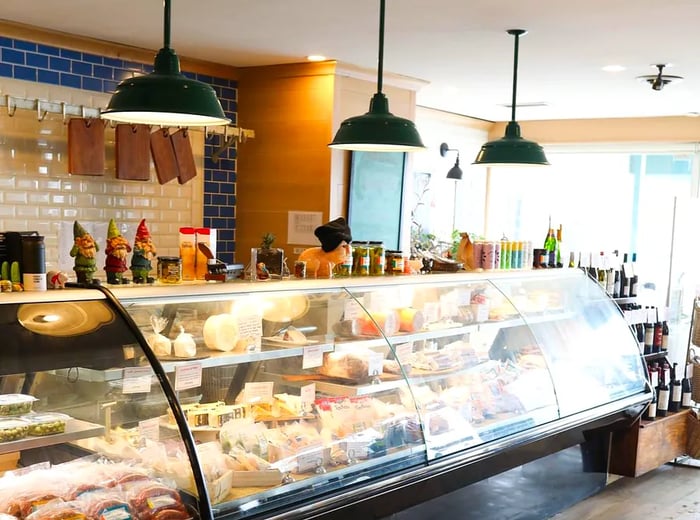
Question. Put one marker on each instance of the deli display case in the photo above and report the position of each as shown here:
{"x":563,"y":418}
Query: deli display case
{"x":310,"y":398}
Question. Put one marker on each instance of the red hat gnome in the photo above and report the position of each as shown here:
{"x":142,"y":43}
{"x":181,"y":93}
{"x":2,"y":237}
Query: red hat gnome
{"x":144,"y":252}
{"x":115,"y":254}
{"x":84,"y":251}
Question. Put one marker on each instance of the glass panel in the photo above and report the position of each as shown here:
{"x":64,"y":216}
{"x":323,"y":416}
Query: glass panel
{"x":299,"y":391}
{"x":77,"y":390}
{"x":470,"y":387}
{"x":592,"y":355}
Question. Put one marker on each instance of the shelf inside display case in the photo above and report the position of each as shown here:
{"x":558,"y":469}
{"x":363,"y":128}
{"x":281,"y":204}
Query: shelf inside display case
{"x":75,"y":430}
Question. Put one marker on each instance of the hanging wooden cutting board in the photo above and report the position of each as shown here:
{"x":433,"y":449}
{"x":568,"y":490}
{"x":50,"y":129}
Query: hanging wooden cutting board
{"x":187,"y":170}
{"x":133,"y":159}
{"x":163,"y":155}
{"x":86,"y":146}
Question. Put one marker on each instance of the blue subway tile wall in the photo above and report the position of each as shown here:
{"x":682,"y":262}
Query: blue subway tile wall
{"x":31,"y":61}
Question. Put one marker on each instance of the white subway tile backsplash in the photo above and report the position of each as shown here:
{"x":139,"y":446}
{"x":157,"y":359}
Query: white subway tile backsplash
{"x":16,"y":197}
{"x":141,"y":202}
{"x":29,"y":212}
{"x":39,"y":198}
{"x":50,"y":212}
{"x":70,"y":213}
{"x":27,"y":183}
{"x":7,"y":211}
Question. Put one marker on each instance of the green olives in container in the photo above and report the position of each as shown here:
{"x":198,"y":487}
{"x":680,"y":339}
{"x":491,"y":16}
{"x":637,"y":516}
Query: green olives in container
{"x":13,"y":429}
{"x":48,"y":423}
{"x":16,"y":404}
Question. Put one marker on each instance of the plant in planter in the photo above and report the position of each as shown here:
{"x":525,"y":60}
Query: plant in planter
{"x":272,"y":257}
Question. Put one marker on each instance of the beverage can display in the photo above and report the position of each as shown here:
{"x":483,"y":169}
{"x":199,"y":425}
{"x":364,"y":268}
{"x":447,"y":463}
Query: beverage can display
{"x":488,"y":255}
{"x":478,"y":247}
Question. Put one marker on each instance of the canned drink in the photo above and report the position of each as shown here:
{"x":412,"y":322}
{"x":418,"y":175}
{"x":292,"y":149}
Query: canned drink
{"x":478,"y":247}
{"x":299,"y":269}
{"x":505,"y":252}
{"x":497,"y":255}
{"x":488,"y":255}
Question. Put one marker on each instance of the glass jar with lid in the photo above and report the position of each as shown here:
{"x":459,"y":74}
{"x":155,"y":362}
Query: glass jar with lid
{"x":360,"y":258}
{"x":376,"y":258}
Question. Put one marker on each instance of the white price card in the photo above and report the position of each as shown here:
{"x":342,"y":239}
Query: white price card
{"x":403,"y":352}
{"x":250,"y":331}
{"x":353,"y":310}
{"x":313,"y":356}
{"x":136,"y":380}
{"x":375,"y":364}
{"x":464,"y":296}
{"x":448,"y":305}
{"x":308,"y":395}
{"x":431,"y":312}
{"x":188,"y":376}
{"x":258,"y":392}
{"x":150,"y":429}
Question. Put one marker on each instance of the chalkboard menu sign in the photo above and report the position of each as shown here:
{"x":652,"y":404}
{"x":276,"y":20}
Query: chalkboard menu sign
{"x":376,"y":195}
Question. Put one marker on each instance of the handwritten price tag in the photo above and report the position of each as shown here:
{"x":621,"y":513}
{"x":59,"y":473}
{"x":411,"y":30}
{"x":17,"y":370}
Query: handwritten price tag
{"x":188,"y":376}
{"x":149,"y":429}
{"x":136,"y":380}
{"x":313,"y":357}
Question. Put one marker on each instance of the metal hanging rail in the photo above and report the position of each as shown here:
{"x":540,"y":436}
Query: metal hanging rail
{"x":43,"y":107}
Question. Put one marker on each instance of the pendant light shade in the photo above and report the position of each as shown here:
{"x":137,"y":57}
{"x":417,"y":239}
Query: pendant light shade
{"x":165,"y":96}
{"x":378,"y":130}
{"x":512,"y":149}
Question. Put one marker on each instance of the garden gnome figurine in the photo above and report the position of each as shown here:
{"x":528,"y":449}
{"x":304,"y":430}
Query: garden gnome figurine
{"x":115,"y":254}
{"x":144,"y":252}
{"x":84,"y":251}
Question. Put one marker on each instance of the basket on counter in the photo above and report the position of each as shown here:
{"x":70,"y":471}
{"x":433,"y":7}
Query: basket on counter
{"x":693,"y":436}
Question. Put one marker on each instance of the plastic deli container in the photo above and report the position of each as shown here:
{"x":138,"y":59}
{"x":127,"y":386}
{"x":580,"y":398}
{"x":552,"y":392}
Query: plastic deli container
{"x":16,"y":404}
{"x":48,"y":423}
{"x":13,"y":429}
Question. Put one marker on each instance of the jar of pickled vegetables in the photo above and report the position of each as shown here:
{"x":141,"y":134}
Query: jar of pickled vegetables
{"x":394,"y":262}
{"x":376,"y":258}
{"x":344,"y":269}
{"x":360,"y":258}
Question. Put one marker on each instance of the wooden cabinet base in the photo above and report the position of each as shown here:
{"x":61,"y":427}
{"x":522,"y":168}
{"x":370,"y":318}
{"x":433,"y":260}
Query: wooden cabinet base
{"x":646,"y":445}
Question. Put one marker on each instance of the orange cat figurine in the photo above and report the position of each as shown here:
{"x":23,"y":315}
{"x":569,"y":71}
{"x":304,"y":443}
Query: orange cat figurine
{"x":335,"y":240}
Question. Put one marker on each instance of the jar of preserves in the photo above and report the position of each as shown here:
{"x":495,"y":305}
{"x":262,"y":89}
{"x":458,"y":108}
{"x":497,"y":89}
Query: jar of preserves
{"x":394,"y":262}
{"x":376,"y":258}
{"x":169,"y":269}
{"x":360,"y":258}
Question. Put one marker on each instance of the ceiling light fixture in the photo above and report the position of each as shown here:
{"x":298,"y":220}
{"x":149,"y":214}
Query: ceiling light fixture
{"x":165,"y":97}
{"x":378,"y":130}
{"x":512,"y":149}
{"x":660,"y":80}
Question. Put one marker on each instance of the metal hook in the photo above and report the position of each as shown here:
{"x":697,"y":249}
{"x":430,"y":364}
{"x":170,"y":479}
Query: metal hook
{"x":39,"y":114}
{"x":63,"y":112}
{"x":11,"y":109}
{"x":82,"y":111}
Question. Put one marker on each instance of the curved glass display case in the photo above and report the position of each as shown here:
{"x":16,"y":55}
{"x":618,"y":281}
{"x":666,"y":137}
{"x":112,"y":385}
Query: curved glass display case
{"x":325,"y":398}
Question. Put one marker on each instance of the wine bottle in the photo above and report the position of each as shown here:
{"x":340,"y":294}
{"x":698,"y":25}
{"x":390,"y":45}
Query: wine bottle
{"x":650,"y":412}
{"x":654,"y":374}
{"x":639,"y":331}
{"x":634,"y":279}
{"x":648,"y":334}
{"x":687,"y":390}
{"x":557,"y":252}
{"x":664,"y":336}
{"x":616,"y":275}
{"x":624,"y":280}
{"x":602,"y":273}
{"x":676,"y":391}
{"x":658,"y":334}
{"x":664,"y":396}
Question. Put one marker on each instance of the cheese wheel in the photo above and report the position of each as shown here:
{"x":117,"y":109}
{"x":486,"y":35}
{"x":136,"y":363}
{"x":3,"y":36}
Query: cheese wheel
{"x":221,"y":332}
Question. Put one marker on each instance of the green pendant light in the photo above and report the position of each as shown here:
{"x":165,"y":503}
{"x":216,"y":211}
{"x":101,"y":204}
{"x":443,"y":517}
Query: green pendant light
{"x":512,"y":149}
{"x":378,"y":130}
{"x":165,"y":97}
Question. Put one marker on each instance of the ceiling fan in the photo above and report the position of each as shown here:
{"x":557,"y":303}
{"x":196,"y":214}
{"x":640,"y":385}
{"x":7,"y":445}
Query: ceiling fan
{"x":660,"y":80}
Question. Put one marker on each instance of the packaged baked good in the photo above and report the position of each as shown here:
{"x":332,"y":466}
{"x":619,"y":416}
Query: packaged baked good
{"x":58,"y":510}
{"x":16,"y":404}
{"x":13,"y":428}
{"x":48,"y":423}
{"x":358,"y":364}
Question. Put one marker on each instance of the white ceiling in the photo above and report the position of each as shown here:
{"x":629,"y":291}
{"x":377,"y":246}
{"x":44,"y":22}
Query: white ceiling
{"x":460,"y":47}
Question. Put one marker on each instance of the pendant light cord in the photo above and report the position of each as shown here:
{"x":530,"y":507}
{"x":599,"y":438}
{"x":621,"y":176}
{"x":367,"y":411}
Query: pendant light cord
{"x":166,"y":24}
{"x":515,"y":77}
{"x":380,"y":65}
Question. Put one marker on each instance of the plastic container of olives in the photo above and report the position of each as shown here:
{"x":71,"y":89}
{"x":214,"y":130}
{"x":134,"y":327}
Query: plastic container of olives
{"x":16,"y":404}
{"x":13,"y":429}
{"x":47,"y":423}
